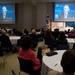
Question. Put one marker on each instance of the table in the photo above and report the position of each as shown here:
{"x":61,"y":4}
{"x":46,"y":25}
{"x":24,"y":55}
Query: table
{"x":71,"y":41}
{"x":52,"y":62}
{"x":14,"y":39}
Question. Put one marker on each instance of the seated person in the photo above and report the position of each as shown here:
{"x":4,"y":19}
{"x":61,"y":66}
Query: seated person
{"x":5,"y":41}
{"x":62,"y":39}
{"x":67,"y":63}
{"x":71,"y":35}
{"x":56,"y":33}
{"x":73,"y":30}
{"x":34,"y":37}
{"x":50,"y":40}
{"x":27,"y":53}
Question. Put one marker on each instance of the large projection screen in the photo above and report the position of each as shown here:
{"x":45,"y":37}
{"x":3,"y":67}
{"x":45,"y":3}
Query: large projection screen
{"x":7,"y":13}
{"x":64,"y":12}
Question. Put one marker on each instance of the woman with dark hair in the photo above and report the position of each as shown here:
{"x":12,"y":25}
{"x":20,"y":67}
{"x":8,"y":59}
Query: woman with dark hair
{"x":67,"y":63}
{"x":27,"y":53}
{"x":62,"y":36}
{"x":50,"y":40}
{"x":62,"y":40}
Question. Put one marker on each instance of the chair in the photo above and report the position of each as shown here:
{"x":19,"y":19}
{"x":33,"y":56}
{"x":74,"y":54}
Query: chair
{"x":26,"y":66}
{"x":5,"y":43}
{"x":19,"y":42}
{"x":39,"y":54}
{"x":16,"y":47}
{"x":2,"y":54}
{"x":74,"y":46}
{"x":62,"y":47}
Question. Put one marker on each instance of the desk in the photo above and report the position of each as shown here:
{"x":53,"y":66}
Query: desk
{"x":49,"y":62}
{"x":71,"y":41}
{"x":14,"y":39}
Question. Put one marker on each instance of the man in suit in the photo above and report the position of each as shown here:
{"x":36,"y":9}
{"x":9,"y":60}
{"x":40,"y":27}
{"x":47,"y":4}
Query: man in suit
{"x":4,"y":15}
{"x":66,"y":16}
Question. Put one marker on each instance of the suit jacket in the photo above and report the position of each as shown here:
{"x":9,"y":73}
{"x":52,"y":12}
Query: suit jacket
{"x":5,"y":41}
{"x":7,"y":17}
{"x":62,"y":18}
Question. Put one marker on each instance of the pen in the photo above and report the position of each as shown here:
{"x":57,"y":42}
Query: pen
{"x":56,"y":64}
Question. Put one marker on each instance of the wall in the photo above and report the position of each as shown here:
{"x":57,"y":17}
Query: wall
{"x":34,"y":18}
{"x":50,"y":10}
{"x":28,"y":14}
{"x":19,"y":16}
{"x":41,"y":14}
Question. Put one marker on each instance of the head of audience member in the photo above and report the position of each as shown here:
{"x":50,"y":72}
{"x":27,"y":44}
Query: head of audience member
{"x":66,"y":9}
{"x":68,"y":30}
{"x":68,"y":62}
{"x":62,"y":36}
{"x":26,"y":42}
{"x":27,"y":32}
{"x":33,"y":30}
{"x":56,"y":30}
{"x":3,"y":31}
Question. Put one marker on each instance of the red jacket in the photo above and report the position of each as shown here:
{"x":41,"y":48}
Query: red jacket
{"x":30,"y":55}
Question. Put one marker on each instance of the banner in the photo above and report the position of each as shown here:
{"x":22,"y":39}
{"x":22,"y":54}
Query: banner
{"x":48,"y":21}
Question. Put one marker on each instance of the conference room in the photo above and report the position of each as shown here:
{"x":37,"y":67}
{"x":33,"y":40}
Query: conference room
{"x":35,"y":16}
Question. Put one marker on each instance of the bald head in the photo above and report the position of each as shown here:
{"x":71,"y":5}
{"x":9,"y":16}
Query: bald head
{"x":4,"y":9}
{"x":66,"y":9}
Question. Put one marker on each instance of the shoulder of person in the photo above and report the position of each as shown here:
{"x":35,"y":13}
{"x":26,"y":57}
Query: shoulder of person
{"x":53,"y":72}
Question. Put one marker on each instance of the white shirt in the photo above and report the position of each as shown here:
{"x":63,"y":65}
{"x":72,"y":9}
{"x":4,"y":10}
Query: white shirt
{"x":65,"y":15}
{"x":4,"y":15}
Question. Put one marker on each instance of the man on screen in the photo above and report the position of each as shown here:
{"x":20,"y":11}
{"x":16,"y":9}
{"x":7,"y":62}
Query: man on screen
{"x":4,"y":15}
{"x":65,"y":16}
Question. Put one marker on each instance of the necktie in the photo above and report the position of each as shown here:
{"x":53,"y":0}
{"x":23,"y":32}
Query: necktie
{"x":4,"y":15}
{"x":65,"y":15}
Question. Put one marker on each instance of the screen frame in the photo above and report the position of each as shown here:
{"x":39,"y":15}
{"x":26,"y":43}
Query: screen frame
{"x":54,"y":10}
{"x":15,"y":8}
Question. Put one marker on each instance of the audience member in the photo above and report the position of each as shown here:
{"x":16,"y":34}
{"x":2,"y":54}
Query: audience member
{"x":42,"y":32}
{"x":66,"y":32}
{"x":72,"y":33}
{"x":73,"y":29}
{"x":34,"y":37}
{"x":26,"y":31}
{"x":56,"y":33}
{"x":4,"y":31}
{"x":27,"y":53}
{"x":19,"y":33}
{"x":67,"y":63}
{"x":62,"y":39}
{"x":49,"y":40}
{"x":5,"y":41}
{"x":62,"y":42}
